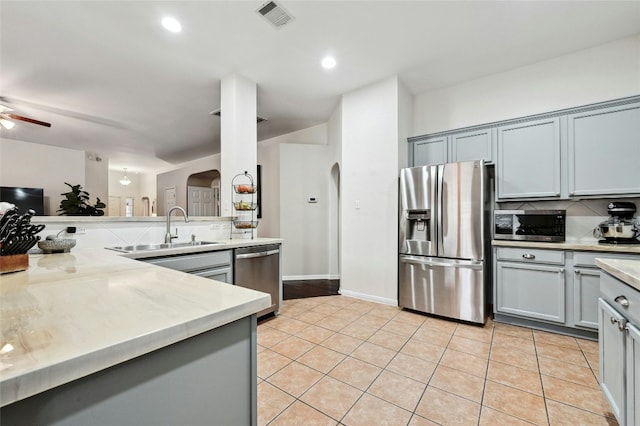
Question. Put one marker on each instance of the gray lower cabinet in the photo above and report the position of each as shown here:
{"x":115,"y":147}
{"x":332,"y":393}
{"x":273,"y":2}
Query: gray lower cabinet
{"x":611,"y":343}
{"x":619,"y":346}
{"x":528,"y":164}
{"x":532,"y":291}
{"x":208,"y":379}
{"x":215,"y":265}
{"x":586,"y":287}
{"x":606,"y":139}
{"x":554,"y":290}
{"x":633,"y":375}
{"x":530,"y":284}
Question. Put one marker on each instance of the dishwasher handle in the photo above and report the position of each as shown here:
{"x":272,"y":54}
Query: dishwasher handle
{"x":259,"y":254}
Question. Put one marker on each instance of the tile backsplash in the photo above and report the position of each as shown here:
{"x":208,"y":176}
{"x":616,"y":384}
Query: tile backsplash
{"x":582,"y":215}
{"x":105,"y":233}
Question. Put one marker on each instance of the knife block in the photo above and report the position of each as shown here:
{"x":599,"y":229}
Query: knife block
{"x":14,"y":263}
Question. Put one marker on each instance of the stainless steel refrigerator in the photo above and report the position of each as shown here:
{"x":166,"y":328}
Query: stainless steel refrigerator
{"x":443,"y":265}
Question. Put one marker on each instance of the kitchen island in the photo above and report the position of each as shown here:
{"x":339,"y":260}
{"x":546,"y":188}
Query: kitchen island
{"x":91,"y":337}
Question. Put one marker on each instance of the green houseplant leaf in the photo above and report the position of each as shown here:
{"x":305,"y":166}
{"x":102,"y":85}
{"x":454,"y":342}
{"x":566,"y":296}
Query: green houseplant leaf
{"x":76,"y":203}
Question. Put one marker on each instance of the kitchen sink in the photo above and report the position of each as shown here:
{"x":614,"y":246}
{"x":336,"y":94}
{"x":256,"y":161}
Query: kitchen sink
{"x":163,"y":246}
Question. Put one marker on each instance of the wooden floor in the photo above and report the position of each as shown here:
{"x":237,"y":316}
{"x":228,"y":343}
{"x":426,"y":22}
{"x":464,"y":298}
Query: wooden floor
{"x":309,"y":288}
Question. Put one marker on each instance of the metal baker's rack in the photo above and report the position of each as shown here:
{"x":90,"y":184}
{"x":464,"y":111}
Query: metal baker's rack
{"x":243,"y":196}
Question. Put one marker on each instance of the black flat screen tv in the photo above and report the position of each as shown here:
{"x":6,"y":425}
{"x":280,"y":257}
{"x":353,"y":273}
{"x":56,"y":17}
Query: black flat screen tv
{"x":24,"y":198}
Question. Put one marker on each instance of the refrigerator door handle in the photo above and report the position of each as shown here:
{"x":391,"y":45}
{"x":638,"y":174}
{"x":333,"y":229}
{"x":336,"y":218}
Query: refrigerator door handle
{"x":473,"y":264}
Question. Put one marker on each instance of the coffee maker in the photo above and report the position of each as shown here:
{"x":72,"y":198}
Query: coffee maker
{"x":621,"y":227}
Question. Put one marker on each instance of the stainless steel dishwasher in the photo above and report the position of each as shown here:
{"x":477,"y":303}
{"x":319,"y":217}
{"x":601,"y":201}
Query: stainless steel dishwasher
{"x":258,"y":268}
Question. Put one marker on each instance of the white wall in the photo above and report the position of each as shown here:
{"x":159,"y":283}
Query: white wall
{"x":238,"y":134}
{"x":179,"y":176}
{"x":334,"y":135}
{"x":96,"y":173}
{"x":30,"y":165}
{"x":304,"y":226}
{"x":369,"y":181}
{"x":601,"y":73}
{"x":405,"y":124}
{"x":133,"y":190}
{"x":269,"y":160}
{"x":315,"y":135}
{"x":295,"y":166}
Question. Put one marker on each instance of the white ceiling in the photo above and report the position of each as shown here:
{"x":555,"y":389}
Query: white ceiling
{"x":112,"y":81}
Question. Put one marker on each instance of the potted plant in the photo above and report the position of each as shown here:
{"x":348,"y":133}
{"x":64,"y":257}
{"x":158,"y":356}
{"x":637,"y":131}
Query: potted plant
{"x":76,"y":203}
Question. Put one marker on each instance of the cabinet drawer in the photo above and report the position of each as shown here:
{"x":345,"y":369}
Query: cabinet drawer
{"x":194,"y":262}
{"x":612,"y":288}
{"x":588,"y":258}
{"x":513,"y":254}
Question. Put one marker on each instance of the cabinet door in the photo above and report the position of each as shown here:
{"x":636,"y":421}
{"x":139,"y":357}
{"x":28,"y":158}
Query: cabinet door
{"x":608,"y":141}
{"x":586,"y":288}
{"x":611,"y":344}
{"x":474,"y":145}
{"x":633,"y":375}
{"x":430,"y":151}
{"x":529,"y":160}
{"x":532,"y":291}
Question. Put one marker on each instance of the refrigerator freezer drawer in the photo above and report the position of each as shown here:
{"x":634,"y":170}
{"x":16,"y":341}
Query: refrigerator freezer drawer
{"x":446,"y":287}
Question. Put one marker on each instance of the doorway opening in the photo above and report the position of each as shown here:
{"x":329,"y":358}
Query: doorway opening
{"x":334,"y":231}
{"x":203,"y":193}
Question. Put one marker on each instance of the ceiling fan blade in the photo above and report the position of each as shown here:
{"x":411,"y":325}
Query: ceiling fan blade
{"x":28,"y":120}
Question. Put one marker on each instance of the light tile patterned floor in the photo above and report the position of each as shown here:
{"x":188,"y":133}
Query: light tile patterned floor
{"x":338,"y":360}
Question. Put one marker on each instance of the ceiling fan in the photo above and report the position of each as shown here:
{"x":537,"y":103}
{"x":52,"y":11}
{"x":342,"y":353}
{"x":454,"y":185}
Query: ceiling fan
{"x":7,"y":117}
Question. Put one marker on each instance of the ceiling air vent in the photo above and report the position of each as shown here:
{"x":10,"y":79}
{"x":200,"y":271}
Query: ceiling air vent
{"x":258,"y":118}
{"x":275,"y":14}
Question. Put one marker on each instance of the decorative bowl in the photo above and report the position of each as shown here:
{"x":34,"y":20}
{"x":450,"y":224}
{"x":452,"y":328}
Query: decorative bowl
{"x":61,"y":245}
{"x":244,"y":189}
{"x":243,"y":205}
{"x":245,"y":224}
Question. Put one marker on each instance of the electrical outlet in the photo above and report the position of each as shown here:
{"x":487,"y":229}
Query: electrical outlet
{"x":81,"y":230}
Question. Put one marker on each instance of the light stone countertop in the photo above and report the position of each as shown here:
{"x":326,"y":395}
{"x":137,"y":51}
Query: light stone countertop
{"x":73,"y":314}
{"x":568,"y":245}
{"x":627,"y":271}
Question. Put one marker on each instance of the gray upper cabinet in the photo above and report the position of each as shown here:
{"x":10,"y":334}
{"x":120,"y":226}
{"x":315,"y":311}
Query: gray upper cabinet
{"x":608,"y":141}
{"x":428,"y":151}
{"x":587,"y":151}
{"x":528,"y":164}
{"x":473,"y":145}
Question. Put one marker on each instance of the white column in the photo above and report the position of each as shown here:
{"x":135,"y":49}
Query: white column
{"x":238,"y":133}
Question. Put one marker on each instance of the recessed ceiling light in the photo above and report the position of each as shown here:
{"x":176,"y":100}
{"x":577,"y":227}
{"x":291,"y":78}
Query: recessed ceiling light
{"x":328,"y":62}
{"x":171,"y":24}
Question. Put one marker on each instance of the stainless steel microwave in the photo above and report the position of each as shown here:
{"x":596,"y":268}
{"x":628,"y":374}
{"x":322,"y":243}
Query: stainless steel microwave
{"x":529,"y":225}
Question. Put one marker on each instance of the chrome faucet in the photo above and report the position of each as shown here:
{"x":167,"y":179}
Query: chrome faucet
{"x":168,"y":236}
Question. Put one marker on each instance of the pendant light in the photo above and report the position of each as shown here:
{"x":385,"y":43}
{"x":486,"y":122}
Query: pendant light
{"x":125,"y":180}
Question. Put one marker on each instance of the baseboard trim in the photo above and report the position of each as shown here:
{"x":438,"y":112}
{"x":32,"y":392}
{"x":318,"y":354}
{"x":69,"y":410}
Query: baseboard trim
{"x":362,"y":296}
{"x":310,"y":277}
